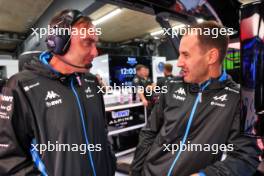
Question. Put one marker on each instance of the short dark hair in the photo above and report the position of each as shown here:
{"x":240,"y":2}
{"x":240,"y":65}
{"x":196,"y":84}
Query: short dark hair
{"x":210,"y":41}
{"x":57,"y":18}
{"x":168,"y":67}
{"x":140,"y":66}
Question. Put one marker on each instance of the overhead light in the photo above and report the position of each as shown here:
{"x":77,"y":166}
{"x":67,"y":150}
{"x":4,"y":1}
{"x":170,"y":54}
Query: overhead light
{"x":107,"y":16}
{"x":199,"y":20}
{"x":178,"y":26}
{"x":157,"y":32}
{"x":162,"y":31}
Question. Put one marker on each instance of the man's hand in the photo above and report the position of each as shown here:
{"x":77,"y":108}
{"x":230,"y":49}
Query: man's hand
{"x":195,"y":175}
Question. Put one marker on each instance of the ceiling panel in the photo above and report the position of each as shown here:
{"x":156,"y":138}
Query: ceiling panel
{"x":128,"y":24}
{"x":247,"y":1}
{"x":19,"y":15}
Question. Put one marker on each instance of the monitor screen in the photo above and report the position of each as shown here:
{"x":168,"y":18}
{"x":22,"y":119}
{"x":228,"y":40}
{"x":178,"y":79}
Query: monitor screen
{"x":122,"y":69}
{"x":232,"y":59}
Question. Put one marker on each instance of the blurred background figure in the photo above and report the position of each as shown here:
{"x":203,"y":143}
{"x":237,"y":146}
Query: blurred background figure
{"x":167,"y":75}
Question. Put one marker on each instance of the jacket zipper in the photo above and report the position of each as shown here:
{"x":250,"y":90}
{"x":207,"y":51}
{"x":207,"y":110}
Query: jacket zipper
{"x":197,"y":100}
{"x":83,"y":125}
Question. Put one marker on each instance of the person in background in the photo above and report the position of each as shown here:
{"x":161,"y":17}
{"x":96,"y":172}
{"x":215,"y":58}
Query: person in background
{"x":167,"y":75}
{"x":143,"y":84}
{"x":141,"y":81}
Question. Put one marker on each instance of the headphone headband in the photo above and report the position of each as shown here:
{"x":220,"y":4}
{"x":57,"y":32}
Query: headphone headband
{"x":73,"y":16}
{"x":59,"y":44}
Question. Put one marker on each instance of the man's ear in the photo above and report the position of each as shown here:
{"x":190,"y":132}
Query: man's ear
{"x":213,"y":56}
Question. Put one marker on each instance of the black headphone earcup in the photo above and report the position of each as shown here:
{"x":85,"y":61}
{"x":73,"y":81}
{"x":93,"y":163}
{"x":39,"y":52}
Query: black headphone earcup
{"x":58,"y":44}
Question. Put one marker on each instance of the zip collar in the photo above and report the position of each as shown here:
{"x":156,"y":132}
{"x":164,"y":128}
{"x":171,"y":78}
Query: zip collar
{"x":215,"y":83}
{"x":45,"y":58}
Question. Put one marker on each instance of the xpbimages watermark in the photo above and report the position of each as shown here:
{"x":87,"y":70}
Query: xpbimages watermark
{"x":82,"y":32}
{"x":58,"y":147}
{"x":213,"y":148}
{"x":149,"y":91}
{"x":214,"y":32}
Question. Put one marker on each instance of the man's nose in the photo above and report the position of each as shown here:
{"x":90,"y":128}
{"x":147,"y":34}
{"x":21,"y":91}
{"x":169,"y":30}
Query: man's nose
{"x":180,"y":62}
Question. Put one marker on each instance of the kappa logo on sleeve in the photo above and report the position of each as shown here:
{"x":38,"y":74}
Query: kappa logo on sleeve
{"x":180,"y":91}
{"x":180,"y":94}
{"x":52,"y":99}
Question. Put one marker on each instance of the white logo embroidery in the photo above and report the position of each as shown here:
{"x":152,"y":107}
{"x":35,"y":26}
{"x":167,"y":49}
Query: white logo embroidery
{"x":232,"y":90}
{"x":87,"y":80}
{"x":51,"y":95}
{"x":3,"y":115}
{"x":89,"y":96}
{"x":6,"y":98}
{"x":88,"y":90}
{"x":26,"y":88}
{"x":217,"y":104}
{"x":222,"y":97}
{"x":181,"y":91}
{"x":7,"y":108}
{"x":219,"y":98}
{"x":175,"y":81}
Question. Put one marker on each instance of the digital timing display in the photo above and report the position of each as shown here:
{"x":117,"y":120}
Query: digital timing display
{"x":122,"y":69}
